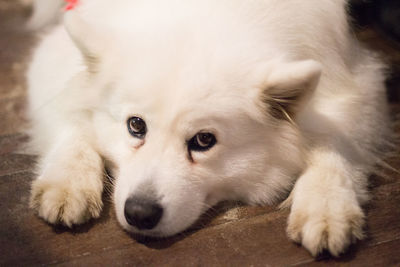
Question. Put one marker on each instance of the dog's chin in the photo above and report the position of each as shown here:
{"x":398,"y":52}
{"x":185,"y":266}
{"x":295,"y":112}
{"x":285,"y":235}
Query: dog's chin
{"x":157,"y":233}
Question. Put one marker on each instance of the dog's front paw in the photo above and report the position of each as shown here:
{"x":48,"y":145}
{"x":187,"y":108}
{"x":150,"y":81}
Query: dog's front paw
{"x":325,"y":225}
{"x":58,"y":201}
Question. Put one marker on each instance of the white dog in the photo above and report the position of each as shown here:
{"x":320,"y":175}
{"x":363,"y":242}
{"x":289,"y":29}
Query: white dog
{"x":193,"y":102}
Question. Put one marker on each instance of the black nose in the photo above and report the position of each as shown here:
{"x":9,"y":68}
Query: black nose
{"x":142,"y":213}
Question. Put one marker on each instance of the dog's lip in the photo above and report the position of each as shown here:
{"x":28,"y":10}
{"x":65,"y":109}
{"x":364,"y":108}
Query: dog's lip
{"x":156,"y":234}
{"x":151,"y":233}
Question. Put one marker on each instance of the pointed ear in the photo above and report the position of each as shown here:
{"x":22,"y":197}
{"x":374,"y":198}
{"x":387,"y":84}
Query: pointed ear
{"x":86,"y":38}
{"x":290,"y":86}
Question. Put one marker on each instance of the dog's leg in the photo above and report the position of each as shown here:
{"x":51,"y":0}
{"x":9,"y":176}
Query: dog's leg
{"x":326,"y":212}
{"x":70,"y":183}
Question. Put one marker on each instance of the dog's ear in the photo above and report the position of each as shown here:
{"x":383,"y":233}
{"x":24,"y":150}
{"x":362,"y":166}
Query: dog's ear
{"x":290,"y":86}
{"x":86,"y":38}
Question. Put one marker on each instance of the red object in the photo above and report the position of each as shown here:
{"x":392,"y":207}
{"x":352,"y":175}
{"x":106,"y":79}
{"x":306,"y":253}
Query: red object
{"x":71,"y":4}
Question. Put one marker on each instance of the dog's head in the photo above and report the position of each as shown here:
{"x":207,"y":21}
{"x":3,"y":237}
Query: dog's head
{"x":192,"y":118}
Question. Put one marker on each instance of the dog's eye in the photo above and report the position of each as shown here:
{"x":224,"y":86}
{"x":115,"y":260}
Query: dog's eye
{"x":137,"y":127}
{"x":202,"y":142}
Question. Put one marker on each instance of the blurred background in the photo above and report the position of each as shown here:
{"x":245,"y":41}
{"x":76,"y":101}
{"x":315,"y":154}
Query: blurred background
{"x":377,"y":23}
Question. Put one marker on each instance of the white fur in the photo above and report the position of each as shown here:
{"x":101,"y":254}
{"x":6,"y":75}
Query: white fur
{"x":220,"y":66}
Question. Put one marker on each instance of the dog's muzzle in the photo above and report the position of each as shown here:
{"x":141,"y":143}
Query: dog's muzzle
{"x":142,"y":213}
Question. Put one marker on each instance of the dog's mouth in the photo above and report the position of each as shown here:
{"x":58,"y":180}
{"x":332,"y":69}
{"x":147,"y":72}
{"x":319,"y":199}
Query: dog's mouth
{"x":207,"y":218}
{"x":145,"y":234}
{"x":164,"y":228}
{"x":160,"y":232}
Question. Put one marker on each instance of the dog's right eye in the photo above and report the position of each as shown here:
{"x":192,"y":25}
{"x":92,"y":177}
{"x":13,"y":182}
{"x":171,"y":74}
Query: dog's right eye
{"x":137,"y":127}
{"x":202,"y":141}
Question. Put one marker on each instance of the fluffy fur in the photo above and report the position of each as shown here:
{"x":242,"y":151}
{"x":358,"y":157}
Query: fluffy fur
{"x":296,"y":104}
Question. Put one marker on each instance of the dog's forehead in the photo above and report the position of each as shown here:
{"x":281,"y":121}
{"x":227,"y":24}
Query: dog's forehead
{"x":155,"y":83}
{"x":202,"y":104}
{"x":176,"y":85}
{"x":196,"y":102}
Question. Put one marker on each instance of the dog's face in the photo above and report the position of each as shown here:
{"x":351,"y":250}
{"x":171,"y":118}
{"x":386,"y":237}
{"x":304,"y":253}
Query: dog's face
{"x":190,"y":124}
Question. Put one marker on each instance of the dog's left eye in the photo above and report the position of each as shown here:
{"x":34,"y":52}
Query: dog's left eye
{"x":202,"y":141}
{"x":137,"y":127}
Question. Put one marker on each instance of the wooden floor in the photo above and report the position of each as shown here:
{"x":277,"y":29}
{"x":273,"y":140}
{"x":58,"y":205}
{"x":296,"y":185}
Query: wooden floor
{"x":232,"y":236}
